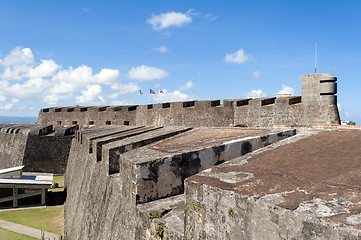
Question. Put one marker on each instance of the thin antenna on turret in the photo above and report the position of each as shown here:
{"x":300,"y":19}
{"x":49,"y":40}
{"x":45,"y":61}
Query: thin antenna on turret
{"x":315,"y":57}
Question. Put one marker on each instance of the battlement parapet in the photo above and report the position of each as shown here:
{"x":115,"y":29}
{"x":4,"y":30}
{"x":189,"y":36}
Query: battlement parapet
{"x":258,"y":112}
{"x":318,"y":105}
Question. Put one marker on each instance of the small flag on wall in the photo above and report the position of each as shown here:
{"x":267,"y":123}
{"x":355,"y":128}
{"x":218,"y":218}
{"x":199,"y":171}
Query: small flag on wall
{"x":140,"y":92}
{"x":151,"y":91}
{"x":160,"y":91}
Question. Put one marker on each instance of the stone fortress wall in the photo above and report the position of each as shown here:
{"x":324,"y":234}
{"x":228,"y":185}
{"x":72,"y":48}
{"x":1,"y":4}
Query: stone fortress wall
{"x":318,"y":105}
{"x":118,"y":175}
{"x":183,"y":170}
{"x":40,"y":148}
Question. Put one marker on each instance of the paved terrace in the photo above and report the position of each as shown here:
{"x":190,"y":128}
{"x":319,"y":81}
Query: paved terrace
{"x":308,"y":189}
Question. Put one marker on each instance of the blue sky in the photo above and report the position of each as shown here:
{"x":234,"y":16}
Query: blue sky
{"x":62,"y":53}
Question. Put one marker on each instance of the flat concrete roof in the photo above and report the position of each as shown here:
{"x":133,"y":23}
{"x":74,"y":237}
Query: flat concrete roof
{"x":29,"y":178}
{"x":318,"y":175}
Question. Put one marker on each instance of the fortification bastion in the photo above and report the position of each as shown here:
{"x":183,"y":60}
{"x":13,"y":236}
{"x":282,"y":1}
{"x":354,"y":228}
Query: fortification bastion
{"x":265,"y":168}
{"x":124,"y":168}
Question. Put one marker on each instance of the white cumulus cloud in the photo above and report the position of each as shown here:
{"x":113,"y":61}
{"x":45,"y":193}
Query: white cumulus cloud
{"x":172,"y":96}
{"x":188,"y":85}
{"x":145,"y":73}
{"x":47,"y":68}
{"x":15,"y":73}
{"x":238,"y":57}
{"x":166,"y":20}
{"x":124,"y":88}
{"x":92,"y":95}
{"x":254,"y":94}
{"x":30,"y":89}
{"x":286,"y":90}
{"x":18,"y":56}
{"x":22,"y":78}
{"x":53,"y":99}
{"x":79,"y":75}
{"x":107,"y":76}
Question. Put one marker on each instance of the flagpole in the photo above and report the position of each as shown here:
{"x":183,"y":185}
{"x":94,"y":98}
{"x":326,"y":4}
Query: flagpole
{"x":315,"y":57}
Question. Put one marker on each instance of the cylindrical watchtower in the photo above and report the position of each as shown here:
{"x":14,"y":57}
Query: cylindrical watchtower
{"x":319,"y":89}
{"x":319,"y":99}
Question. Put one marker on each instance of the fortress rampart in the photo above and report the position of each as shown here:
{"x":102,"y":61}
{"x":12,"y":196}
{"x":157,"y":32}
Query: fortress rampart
{"x":182,"y":170}
{"x":318,"y":105}
{"x":40,"y":148}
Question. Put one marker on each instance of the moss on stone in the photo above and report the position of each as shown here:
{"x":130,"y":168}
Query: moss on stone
{"x":160,"y":231}
{"x":157,"y":214}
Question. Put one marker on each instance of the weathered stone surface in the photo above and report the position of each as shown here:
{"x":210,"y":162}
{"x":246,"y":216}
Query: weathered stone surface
{"x":38,"y":147}
{"x":289,"y":111}
{"x":161,"y":172}
{"x":166,"y":214}
{"x":152,"y":165}
{"x":318,"y":105}
{"x":308,"y":189}
{"x":102,"y":205}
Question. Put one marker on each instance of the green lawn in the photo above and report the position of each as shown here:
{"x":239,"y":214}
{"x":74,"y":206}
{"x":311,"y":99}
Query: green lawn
{"x":60,"y":180}
{"x":49,"y":219}
{"x":9,"y":235}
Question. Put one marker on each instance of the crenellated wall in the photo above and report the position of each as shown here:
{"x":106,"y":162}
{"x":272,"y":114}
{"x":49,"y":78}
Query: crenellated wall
{"x":190,"y":113}
{"x":318,"y":105}
{"x":259,"y":112}
{"x":79,"y":115}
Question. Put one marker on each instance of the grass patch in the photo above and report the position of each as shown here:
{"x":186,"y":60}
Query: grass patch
{"x":49,"y":219}
{"x":60,"y":180}
{"x":9,"y":235}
